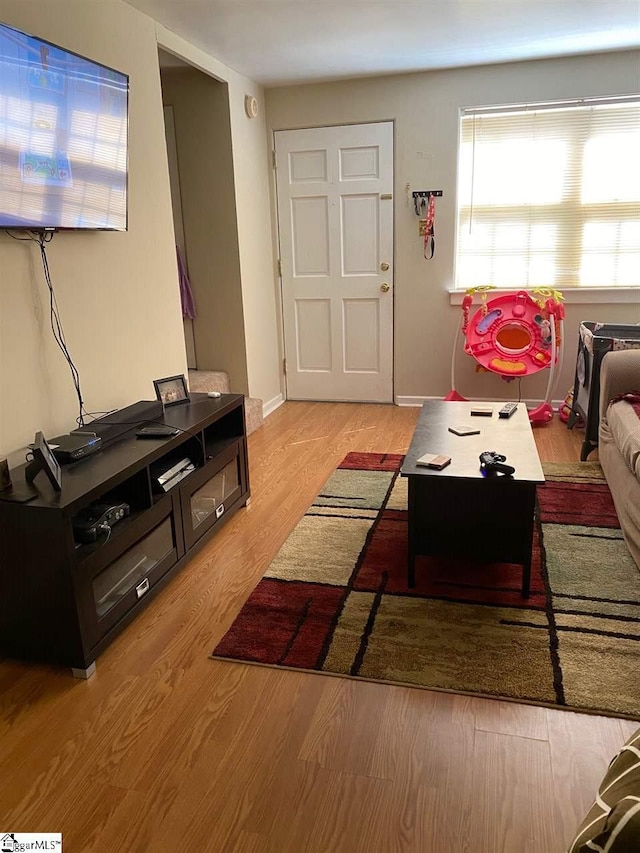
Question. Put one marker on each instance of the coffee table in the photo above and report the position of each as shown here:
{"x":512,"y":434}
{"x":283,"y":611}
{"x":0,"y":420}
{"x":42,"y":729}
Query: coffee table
{"x":459,"y":512}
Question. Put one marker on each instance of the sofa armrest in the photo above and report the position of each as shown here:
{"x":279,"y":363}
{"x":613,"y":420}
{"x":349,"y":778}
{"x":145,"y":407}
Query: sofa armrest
{"x":613,"y":821}
{"x":619,"y":373}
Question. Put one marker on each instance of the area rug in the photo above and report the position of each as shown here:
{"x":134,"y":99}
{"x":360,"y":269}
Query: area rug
{"x":335,"y":599}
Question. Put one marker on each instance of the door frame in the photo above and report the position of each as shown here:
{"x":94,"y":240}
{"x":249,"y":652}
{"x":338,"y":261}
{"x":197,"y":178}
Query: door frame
{"x":329,"y":125}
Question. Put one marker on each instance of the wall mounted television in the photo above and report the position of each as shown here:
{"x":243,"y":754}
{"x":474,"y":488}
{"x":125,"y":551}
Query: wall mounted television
{"x":63,"y":138}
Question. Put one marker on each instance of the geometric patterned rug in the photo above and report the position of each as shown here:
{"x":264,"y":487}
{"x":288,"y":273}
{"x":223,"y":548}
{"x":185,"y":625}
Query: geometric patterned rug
{"x":335,"y":599}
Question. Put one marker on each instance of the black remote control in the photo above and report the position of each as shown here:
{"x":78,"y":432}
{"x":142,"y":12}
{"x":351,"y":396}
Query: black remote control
{"x":507,"y":410}
{"x":159,"y":431}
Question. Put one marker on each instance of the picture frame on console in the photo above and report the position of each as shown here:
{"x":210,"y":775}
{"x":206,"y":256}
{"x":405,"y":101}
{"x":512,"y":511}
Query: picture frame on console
{"x":172,"y":390}
{"x":44,"y":460}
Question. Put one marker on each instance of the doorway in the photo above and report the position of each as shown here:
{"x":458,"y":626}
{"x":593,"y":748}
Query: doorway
{"x":335,"y":209}
{"x":200,"y":158}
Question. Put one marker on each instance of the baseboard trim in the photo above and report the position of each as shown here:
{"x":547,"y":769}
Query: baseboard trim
{"x":402,"y":400}
{"x":271,"y":405}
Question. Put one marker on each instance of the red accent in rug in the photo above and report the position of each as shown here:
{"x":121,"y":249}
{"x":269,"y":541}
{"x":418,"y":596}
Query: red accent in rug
{"x":584,"y":504}
{"x":370,"y":624}
{"x":436,"y":577}
{"x":372,"y":461}
{"x":283,"y":623}
{"x":288,"y":623}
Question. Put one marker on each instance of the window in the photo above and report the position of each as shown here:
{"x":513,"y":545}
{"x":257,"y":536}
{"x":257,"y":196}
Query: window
{"x":549,"y":196}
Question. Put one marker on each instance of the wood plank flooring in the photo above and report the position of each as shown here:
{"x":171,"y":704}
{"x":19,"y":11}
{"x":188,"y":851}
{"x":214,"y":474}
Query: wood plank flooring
{"x":164,"y":749}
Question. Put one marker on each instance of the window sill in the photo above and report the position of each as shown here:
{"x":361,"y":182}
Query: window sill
{"x":572,"y":295}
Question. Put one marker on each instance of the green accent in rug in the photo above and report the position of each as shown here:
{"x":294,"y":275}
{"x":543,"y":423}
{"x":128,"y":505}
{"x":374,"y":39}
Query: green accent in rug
{"x":335,"y":599}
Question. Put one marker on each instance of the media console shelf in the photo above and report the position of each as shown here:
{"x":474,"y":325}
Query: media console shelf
{"x":63,"y":601}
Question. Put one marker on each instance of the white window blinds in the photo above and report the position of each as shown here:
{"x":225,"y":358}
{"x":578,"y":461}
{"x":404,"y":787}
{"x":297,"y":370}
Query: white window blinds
{"x":549,"y":196}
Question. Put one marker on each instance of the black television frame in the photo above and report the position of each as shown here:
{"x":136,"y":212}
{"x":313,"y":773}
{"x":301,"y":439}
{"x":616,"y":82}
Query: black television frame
{"x":54,"y":228}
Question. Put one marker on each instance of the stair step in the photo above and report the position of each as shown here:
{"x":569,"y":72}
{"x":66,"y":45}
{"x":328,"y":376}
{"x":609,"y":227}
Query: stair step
{"x":201,"y":381}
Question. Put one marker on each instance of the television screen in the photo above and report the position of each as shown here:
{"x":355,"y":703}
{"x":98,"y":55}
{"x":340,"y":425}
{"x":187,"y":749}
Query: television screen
{"x":63,"y":138}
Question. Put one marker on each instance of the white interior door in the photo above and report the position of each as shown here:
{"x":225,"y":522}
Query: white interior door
{"x":335,"y":210}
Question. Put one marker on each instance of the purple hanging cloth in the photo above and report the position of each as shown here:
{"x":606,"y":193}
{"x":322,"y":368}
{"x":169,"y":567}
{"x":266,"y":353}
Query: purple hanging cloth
{"x":186,"y":294}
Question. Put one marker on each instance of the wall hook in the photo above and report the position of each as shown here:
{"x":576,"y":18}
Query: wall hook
{"x":421,"y":197}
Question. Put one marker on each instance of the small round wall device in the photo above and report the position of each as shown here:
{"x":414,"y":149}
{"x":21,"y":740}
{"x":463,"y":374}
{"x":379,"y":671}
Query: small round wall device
{"x":251,"y":106}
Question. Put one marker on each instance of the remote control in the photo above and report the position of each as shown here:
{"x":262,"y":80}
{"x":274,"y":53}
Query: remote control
{"x":157,"y":431}
{"x":507,"y":410}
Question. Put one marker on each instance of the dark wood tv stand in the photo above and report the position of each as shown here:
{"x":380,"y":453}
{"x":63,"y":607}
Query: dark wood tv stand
{"x":64,"y":602}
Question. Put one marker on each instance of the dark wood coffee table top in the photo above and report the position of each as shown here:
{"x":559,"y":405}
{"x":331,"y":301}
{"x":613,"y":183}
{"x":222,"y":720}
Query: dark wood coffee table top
{"x":512,"y":437}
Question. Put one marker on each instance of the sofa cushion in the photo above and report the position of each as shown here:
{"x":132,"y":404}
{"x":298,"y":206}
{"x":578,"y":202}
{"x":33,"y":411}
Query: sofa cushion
{"x":624,"y":424}
{"x":613,"y":822}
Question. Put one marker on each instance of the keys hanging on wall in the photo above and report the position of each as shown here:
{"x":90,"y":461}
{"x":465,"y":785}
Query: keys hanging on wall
{"x":424,"y":204}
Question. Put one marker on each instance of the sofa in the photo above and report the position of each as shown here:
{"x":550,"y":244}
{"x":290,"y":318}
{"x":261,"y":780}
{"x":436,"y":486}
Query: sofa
{"x":613,"y":821}
{"x":619,"y":440}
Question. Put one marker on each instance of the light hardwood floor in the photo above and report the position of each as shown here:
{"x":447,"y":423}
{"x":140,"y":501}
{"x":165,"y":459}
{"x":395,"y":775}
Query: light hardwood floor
{"x":164,"y":749}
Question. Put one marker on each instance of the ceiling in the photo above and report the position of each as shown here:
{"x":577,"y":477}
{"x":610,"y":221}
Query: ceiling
{"x":278,"y":42}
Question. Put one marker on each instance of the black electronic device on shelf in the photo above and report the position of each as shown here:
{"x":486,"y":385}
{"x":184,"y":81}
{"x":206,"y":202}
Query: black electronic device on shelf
{"x":71,"y":448}
{"x":98,"y":519}
{"x":78,"y":564}
{"x":156,"y":431}
{"x":163,"y":478}
{"x":114,"y":426}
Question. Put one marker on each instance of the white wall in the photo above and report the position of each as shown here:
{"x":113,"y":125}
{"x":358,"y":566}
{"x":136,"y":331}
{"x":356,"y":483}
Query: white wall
{"x":425,"y":108}
{"x":118,"y":293}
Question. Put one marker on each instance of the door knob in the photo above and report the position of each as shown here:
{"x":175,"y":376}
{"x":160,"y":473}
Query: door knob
{"x":384,"y":287}
{"x":384,"y":266}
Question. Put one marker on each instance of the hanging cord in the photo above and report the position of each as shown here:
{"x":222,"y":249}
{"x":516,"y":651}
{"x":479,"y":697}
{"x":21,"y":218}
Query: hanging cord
{"x":42,"y":238}
{"x":56,"y":327}
{"x":430,"y":229}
